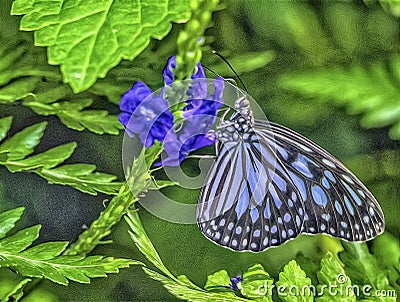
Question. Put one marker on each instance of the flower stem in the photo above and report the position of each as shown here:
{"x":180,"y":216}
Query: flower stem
{"x":191,"y":39}
{"x":139,"y":180}
{"x":101,"y":227}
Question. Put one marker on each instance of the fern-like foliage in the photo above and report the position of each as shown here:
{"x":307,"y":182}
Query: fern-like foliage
{"x":179,"y":286}
{"x":334,"y":282}
{"x":45,"y":260}
{"x":15,"y":155}
{"x":40,"y":87}
{"x":371,"y":91}
{"x":332,"y":273}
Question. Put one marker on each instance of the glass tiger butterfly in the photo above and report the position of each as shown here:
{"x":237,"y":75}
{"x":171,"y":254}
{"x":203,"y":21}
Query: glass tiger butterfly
{"x":269,"y":184}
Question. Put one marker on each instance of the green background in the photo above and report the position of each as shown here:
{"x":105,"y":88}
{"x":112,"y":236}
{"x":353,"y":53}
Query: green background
{"x":301,"y":38}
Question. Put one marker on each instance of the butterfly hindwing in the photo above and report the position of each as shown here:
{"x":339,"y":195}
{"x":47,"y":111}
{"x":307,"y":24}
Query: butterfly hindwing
{"x":245,"y":204}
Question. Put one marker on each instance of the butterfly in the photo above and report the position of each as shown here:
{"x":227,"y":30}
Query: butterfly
{"x":269,"y":184}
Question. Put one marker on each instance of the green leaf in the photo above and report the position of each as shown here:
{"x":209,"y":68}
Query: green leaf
{"x":143,"y":243}
{"x":23,"y":142}
{"x":18,"y":89}
{"x":159,"y":184}
{"x":47,"y":159}
{"x":294,"y":280}
{"x":73,"y":116}
{"x":369,"y":90}
{"x":11,"y":51}
{"x":89,"y":38}
{"x":138,"y":182}
{"x":8,"y":220}
{"x":20,"y":240}
{"x":256,"y":284}
{"x":138,"y":176}
{"x":152,"y":153}
{"x":45,"y":260}
{"x":5,"y":124}
{"x":332,"y":274}
{"x":391,"y":7}
{"x":16,"y":293}
{"x":79,"y":176}
{"x":220,"y":280}
{"x":82,"y":177}
{"x":362,"y":268}
{"x":386,"y":250}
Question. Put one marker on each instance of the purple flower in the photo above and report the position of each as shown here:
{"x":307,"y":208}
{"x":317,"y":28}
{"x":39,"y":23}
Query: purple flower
{"x":149,"y":118}
{"x":235,"y":281}
{"x":198,"y":88}
{"x":168,"y":72}
{"x":199,"y":117}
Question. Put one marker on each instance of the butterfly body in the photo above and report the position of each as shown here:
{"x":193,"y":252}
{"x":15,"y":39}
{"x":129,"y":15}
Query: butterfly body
{"x":269,"y":184}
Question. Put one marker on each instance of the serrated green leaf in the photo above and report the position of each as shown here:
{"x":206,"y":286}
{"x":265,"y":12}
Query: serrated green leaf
{"x":72,"y":115}
{"x":22,"y":143}
{"x":219,"y":280}
{"x":256,"y":284}
{"x":89,"y":119}
{"x":17,"y":292}
{"x":294,"y":284}
{"x":45,"y":251}
{"x":89,"y":38}
{"x":20,"y":240}
{"x":47,"y":159}
{"x":79,"y":176}
{"x":332,"y":274}
{"x":45,"y":260}
{"x":48,"y":96}
{"x":138,"y":176}
{"x":363,"y":269}
{"x":82,"y":177}
{"x":5,"y":124}
{"x":8,"y":220}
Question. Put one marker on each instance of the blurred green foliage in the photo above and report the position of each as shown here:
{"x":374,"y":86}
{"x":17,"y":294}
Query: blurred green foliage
{"x":323,"y":68}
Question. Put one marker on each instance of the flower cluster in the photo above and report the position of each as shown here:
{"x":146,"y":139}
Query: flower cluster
{"x":235,"y":281}
{"x":149,"y":116}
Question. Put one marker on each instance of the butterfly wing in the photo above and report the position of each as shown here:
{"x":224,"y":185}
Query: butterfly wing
{"x":335,"y":201}
{"x":245,"y":203}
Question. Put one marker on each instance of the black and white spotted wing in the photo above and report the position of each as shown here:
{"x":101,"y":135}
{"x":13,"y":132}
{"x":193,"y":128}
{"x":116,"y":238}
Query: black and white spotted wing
{"x":245,"y":204}
{"x":336,"y":202}
{"x":269,"y":184}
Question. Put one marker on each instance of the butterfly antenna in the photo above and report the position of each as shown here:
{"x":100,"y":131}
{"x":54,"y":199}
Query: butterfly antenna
{"x":231,"y":67}
{"x":212,"y":71}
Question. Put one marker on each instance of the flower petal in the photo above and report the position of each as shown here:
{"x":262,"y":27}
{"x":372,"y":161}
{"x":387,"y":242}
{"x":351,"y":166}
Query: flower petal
{"x":134,"y":96}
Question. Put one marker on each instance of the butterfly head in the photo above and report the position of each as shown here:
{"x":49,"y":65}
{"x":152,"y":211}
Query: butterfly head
{"x":240,"y":122}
